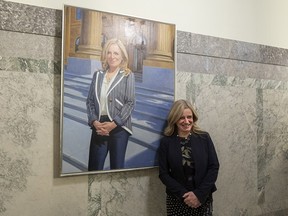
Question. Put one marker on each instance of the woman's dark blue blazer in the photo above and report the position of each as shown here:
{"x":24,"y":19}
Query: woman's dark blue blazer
{"x":206,"y":166}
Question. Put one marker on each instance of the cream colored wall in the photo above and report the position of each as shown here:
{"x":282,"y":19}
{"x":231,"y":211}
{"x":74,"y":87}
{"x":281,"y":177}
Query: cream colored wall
{"x":256,"y":21}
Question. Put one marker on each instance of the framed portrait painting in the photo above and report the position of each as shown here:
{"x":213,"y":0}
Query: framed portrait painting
{"x":118,"y":80}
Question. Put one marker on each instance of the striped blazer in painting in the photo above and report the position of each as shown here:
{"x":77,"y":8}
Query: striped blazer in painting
{"x":120,"y":99}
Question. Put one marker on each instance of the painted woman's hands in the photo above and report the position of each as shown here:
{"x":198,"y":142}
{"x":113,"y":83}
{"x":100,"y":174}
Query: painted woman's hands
{"x":104,"y":128}
{"x":108,"y":126}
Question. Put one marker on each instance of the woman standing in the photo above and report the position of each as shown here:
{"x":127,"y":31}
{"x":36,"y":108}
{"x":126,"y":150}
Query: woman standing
{"x":188,"y":163}
{"x":110,"y":102}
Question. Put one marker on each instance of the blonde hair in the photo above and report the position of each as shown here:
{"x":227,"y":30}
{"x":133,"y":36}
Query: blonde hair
{"x":124,"y":63}
{"x":176,"y":113}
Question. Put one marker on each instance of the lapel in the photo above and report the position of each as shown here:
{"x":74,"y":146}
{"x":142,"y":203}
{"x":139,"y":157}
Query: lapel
{"x":116,"y":81}
{"x":195,"y":143}
{"x":98,"y":84}
{"x":176,"y":150}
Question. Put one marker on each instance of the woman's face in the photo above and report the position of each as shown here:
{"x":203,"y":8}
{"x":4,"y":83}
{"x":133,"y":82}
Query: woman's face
{"x":185,"y":123}
{"x":114,"y":56}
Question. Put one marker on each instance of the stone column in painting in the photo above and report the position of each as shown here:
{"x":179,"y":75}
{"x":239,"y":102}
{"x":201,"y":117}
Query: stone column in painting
{"x":85,"y":60}
{"x":161,"y":48}
{"x":90,"y":40}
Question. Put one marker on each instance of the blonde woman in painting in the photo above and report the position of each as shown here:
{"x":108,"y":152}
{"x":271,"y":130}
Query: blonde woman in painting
{"x":110,"y":102}
{"x":188,"y":163}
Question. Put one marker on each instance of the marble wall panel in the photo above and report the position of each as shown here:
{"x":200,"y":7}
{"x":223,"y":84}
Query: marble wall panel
{"x":228,"y":113}
{"x":30,"y":66}
{"x":30,"y":124}
{"x":30,"y":19}
{"x":231,"y":67}
{"x":30,"y":46}
{"x":243,"y":106}
{"x":127,"y":193}
{"x":196,"y":44}
{"x":273,"y":145}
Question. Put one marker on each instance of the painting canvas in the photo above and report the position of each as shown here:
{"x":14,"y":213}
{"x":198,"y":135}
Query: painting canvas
{"x":150,"y":46}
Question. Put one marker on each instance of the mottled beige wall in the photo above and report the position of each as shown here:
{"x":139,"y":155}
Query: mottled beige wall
{"x":239,"y":89}
{"x":241,"y":93}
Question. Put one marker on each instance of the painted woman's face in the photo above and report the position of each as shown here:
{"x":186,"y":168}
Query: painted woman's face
{"x":185,"y":123}
{"x":114,"y":56}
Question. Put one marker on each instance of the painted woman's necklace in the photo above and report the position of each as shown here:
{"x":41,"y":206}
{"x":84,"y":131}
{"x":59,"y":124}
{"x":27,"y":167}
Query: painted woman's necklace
{"x":109,"y":76}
